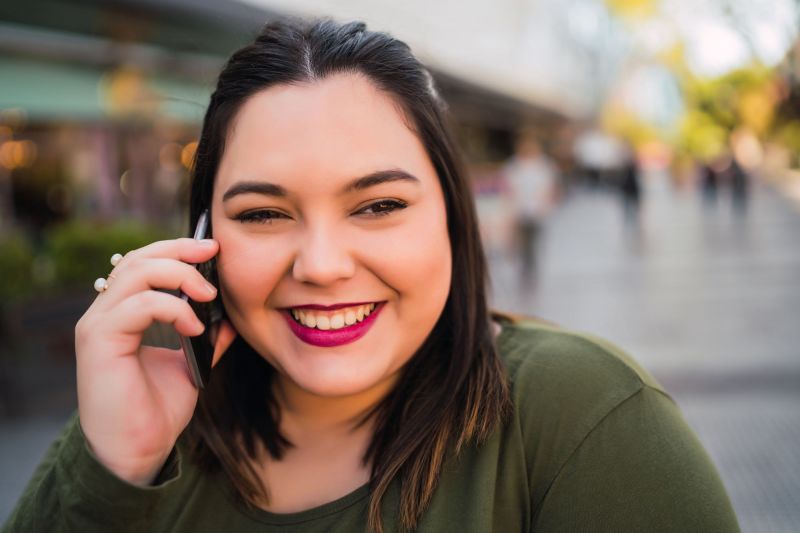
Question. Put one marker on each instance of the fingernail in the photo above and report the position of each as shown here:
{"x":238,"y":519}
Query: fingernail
{"x":210,"y":288}
{"x":206,"y":242}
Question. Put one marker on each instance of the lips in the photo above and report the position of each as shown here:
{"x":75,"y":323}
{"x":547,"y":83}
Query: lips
{"x":333,"y":325}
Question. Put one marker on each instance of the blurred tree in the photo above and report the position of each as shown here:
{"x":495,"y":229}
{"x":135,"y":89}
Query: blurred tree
{"x":757,"y":99}
{"x":80,"y":250}
{"x":633,"y":9}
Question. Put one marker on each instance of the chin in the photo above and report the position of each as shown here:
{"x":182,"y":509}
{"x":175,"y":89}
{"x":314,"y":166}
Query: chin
{"x":331,"y":384}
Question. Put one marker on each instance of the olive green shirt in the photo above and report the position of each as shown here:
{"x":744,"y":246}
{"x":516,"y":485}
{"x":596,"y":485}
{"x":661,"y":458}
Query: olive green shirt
{"x":594,"y":444}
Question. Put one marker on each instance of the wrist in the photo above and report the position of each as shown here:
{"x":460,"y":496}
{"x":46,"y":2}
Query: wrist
{"x":141,"y":473}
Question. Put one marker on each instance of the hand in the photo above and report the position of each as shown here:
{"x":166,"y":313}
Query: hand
{"x":134,"y":400}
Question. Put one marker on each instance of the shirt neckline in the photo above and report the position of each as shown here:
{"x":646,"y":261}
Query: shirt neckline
{"x":299,"y":517}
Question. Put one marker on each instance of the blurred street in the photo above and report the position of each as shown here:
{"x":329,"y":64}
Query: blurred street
{"x":705,"y":301}
{"x":708,"y":303}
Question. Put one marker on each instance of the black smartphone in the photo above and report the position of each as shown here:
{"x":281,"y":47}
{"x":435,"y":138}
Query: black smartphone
{"x":198,"y":350}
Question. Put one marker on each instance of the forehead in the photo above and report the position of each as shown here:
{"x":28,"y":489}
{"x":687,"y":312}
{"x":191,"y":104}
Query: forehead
{"x":330,"y":130}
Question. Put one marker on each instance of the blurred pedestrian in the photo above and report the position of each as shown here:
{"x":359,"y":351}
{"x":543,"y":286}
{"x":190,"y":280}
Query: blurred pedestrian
{"x":631,"y":192}
{"x":740,"y":188}
{"x":531,"y":180}
{"x":710,"y":185}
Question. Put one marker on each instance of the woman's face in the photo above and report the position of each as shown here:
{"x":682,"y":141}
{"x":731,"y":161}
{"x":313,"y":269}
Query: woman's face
{"x":326,"y":205}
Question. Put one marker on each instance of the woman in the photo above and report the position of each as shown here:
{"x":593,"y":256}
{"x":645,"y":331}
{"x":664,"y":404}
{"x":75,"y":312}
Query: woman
{"x":360,"y":381}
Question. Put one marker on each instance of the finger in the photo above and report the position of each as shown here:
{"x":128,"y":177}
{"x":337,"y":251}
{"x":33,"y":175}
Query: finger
{"x":184,"y":249}
{"x":138,"y":312}
{"x":224,"y":337}
{"x":141,"y":274}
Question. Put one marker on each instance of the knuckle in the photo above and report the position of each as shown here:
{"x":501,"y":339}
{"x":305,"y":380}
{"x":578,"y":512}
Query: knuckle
{"x":135,"y":261}
{"x":80,"y":330}
{"x":148,"y":299}
{"x":83,"y":329}
{"x":131,"y":259}
{"x":185,"y":307}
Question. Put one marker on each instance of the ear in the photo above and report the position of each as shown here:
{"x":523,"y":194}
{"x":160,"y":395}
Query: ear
{"x":225,"y":335}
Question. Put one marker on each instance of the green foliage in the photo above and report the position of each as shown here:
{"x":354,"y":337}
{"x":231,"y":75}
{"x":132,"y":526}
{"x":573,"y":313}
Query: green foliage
{"x":16,"y":266}
{"x":80,"y":250}
{"x":719,"y":97}
{"x":716,"y":107}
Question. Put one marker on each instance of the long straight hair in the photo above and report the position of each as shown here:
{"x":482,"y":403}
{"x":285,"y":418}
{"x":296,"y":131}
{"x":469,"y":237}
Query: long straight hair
{"x":454,"y":389}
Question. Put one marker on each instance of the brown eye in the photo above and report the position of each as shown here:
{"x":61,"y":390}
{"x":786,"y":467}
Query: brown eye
{"x":382,"y":208}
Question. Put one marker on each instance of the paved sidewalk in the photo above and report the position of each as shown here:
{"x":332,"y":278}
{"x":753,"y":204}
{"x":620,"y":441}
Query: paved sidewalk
{"x":709,"y":303}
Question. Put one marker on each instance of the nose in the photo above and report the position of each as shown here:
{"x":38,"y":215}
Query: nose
{"x":323,"y":258}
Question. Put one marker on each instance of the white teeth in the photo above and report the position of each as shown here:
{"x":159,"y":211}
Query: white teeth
{"x":337,"y":321}
{"x":343,"y":318}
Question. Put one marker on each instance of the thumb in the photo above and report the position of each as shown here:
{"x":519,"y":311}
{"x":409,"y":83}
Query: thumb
{"x":225,"y":335}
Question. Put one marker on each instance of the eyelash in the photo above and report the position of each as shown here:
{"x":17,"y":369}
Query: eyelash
{"x":266,"y":216}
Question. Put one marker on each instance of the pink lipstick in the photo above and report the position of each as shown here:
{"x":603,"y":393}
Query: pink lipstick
{"x":332,"y":337}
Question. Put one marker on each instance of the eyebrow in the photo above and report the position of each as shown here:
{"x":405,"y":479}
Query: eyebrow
{"x":364,"y":182}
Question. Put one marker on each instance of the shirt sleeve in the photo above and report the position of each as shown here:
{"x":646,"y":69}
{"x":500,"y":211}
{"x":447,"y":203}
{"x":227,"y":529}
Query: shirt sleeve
{"x":641,"y":468}
{"x":72,"y":491}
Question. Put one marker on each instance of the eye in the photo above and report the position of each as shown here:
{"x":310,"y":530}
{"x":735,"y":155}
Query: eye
{"x":260,"y":216}
{"x":382,"y":208}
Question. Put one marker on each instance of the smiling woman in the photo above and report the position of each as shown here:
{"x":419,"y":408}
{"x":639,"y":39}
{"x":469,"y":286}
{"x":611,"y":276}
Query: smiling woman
{"x":330,"y":226}
{"x":360,"y":381}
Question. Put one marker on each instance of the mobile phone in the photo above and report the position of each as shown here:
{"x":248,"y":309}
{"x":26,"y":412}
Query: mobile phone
{"x":198,"y":350}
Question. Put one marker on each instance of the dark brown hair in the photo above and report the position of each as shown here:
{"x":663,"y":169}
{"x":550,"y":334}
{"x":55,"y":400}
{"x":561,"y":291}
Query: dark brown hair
{"x":454,"y":390}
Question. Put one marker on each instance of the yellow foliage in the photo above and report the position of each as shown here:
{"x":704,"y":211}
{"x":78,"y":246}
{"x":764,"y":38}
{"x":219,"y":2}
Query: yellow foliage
{"x":622,"y":123}
{"x":635,"y":9}
{"x":756,"y":109}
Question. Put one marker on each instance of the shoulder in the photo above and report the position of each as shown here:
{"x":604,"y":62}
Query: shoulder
{"x":565,"y":383}
{"x":544,"y":357}
{"x":605,"y":448}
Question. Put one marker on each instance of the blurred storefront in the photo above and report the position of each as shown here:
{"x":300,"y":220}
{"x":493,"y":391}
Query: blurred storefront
{"x":101,"y":103}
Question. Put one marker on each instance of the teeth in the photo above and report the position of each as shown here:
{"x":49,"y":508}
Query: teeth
{"x":323,"y":322}
{"x":338,"y":320}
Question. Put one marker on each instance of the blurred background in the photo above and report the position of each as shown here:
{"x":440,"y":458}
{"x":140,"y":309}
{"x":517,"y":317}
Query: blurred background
{"x":636,"y":165}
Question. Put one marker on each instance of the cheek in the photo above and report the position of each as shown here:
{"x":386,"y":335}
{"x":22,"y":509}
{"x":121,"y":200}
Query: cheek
{"x":249,"y":269}
{"x":415,"y":259}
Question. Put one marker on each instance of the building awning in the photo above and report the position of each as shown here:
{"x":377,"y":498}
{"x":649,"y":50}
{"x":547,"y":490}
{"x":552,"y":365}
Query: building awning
{"x":50,"y":90}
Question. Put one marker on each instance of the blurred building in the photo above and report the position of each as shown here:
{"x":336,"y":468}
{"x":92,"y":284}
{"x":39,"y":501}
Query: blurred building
{"x":101,"y":102}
